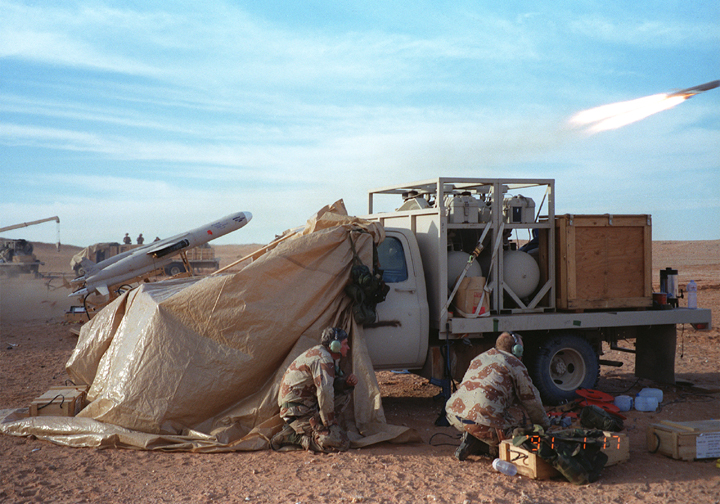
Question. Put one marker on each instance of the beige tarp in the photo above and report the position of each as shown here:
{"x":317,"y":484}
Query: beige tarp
{"x":91,"y":251}
{"x":195,"y":364}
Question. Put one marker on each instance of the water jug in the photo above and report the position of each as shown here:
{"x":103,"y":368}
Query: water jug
{"x":652,"y":392}
{"x":623,"y":402}
{"x":644,"y":403}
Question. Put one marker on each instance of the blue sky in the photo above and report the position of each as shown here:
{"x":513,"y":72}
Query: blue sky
{"x":157,"y":117}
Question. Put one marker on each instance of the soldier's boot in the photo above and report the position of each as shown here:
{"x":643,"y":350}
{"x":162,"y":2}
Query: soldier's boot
{"x":331,"y":440}
{"x":492,"y":450}
{"x":287,"y":439}
{"x":308,"y":444}
{"x":318,"y":443}
{"x":470,"y":445}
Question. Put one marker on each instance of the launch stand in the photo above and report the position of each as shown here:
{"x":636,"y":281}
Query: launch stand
{"x":93,"y":303}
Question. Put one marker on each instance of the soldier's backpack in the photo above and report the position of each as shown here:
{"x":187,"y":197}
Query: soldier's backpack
{"x":577,"y":454}
{"x":594,"y":417}
{"x":366,"y":288}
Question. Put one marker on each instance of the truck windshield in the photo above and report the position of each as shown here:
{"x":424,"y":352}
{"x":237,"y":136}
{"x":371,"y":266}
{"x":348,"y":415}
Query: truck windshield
{"x":392,"y":260}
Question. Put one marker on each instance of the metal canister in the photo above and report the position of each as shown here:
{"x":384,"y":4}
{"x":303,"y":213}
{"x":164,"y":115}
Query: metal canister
{"x":669,"y":284}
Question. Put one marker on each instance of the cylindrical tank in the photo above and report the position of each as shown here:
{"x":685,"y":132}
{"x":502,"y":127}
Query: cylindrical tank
{"x":456,"y":263}
{"x":520,"y":272}
{"x":668,"y":282}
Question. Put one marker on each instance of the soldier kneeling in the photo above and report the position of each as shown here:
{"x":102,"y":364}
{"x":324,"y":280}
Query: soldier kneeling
{"x":495,"y":381}
{"x":313,"y":393}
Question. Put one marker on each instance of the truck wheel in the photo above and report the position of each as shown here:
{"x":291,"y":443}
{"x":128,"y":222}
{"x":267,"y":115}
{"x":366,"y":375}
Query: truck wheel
{"x":175,"y":268}
{"x":563,"y":364}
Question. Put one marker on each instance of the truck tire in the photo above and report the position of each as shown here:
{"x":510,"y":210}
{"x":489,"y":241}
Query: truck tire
{"x":562,"y":364}
{"x":174,"y":268}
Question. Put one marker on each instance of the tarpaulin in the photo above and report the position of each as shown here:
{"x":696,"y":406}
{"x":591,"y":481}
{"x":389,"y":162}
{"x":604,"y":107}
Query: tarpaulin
{"x":195,"y":364}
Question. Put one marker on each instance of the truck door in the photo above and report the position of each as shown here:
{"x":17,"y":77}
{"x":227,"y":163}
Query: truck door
{"x":399,"y":337}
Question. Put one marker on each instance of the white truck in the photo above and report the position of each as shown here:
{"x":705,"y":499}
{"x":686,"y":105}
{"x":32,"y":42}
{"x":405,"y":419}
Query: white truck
{"x":457,"y":275}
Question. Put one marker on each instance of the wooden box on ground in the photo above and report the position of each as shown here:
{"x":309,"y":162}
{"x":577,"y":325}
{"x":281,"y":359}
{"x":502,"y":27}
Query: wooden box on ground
{"x":66,"y":401}
{"x":528,"y":463}
{"x":616,"y":447}
{"x":685,"y":440}
{"x":603,"y":261}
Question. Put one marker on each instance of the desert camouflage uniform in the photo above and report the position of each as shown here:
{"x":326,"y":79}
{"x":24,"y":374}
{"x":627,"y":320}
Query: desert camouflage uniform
{"x":312,"y":395}
{"x":495,"y":381}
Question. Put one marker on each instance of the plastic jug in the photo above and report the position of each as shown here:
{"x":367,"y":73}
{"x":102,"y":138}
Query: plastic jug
{"x":692,"y":294}
{"x":644,"y":403}
{"x":623,"y":402}
{"x":652,"y":392}
{"x":505,"y":467}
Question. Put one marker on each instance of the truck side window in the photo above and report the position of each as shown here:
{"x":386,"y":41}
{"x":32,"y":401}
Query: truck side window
{"x":392,"y":260}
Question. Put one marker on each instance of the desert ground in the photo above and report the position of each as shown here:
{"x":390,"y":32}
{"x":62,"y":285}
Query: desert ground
{"x":35,"y":343}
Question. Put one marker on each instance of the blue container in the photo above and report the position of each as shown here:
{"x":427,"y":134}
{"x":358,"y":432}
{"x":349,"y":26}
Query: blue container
{"x":652,"y":392}
{"x":624,"y":402}
{"x":645,"y":403}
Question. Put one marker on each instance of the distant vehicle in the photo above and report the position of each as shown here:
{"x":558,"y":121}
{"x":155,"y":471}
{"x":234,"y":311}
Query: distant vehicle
{"x":140,"y":260}
{"x":16,"y":255}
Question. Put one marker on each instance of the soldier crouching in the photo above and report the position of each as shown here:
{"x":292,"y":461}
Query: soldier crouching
{"x":495,"y":381}
{"x":313,"y":394}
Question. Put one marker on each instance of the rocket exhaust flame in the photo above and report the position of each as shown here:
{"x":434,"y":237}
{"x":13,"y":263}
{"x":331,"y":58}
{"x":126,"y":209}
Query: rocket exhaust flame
{"x":617,"y":115}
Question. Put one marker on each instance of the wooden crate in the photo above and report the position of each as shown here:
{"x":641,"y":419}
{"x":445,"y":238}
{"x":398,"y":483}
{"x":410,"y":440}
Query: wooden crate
{"x":66,"y":401}
{"x":528,"y":463}
{"x":603,"y":261}
{"x":616,"y":447}
{"x":685,"y":440}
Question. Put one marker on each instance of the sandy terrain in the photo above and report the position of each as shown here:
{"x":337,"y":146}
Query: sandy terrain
{"x":35,"y":344}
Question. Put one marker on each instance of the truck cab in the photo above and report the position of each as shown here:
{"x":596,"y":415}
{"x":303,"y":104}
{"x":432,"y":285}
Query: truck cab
{"x":398,"y":339}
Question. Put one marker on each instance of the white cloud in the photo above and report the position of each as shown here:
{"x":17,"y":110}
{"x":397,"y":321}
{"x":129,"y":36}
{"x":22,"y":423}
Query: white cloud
{"x":643,"y":32}
{"x":16,"y":134}
{"x":218,"y":47}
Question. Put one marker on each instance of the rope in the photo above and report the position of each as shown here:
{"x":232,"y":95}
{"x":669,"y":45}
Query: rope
{"x":356,"y":257}
{"x":51,"y":401}
{"x":454,"y":438}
